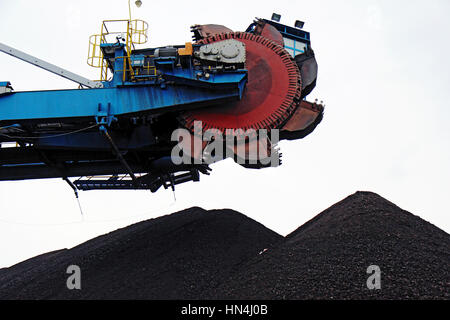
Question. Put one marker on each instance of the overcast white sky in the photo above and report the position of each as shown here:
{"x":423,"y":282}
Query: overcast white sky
{"x":384,"y":75}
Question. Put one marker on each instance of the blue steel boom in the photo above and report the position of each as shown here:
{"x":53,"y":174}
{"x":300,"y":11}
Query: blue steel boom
{"x":120,"y":127}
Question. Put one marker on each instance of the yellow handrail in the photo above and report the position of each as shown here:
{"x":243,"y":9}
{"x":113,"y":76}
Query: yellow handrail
{"x":151,"y":70}
{"x":136,"y":33}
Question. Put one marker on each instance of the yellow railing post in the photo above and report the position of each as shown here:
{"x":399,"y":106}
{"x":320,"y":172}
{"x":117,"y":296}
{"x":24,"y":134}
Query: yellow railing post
{"x":136,"y":31}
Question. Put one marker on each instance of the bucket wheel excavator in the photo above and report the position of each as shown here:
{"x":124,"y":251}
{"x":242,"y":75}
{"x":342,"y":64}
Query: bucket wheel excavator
{"x":118,"y":133}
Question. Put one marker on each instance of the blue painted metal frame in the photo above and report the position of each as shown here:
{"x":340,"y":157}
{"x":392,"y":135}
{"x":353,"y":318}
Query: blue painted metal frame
{"x":123,"y":100}
{"x":290,"y":32}
{"x":175,"y":88}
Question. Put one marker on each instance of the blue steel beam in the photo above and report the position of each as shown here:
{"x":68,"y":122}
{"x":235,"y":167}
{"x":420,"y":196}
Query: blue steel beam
{"x":118,"y":101}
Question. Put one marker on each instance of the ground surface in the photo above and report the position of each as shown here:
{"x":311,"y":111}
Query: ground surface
{"x":216,"y":254}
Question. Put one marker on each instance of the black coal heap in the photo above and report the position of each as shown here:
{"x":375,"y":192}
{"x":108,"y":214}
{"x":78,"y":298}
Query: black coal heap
{"x":328,"y":257}
{"x":217,"y":254}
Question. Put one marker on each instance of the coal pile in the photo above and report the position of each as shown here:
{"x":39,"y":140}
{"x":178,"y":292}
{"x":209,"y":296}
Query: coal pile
{"x":220,"y":254}
{"x":328,"y":257}
{"x":181,"y":255}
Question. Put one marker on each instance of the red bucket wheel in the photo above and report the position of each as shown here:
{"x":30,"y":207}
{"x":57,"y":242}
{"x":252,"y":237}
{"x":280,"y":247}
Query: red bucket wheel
{"x":271,"y":95}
